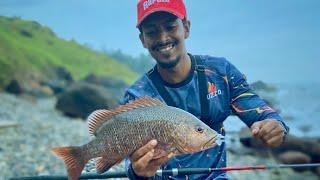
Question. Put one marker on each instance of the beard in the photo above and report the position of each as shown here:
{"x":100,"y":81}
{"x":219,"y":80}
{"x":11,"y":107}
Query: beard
{"x":169,"y":65}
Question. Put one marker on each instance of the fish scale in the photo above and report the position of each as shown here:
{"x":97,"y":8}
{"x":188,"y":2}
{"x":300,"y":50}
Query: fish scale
{"x":121,"y":131}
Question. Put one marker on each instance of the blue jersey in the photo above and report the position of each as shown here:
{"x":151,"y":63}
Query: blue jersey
{"x":228,"y":93}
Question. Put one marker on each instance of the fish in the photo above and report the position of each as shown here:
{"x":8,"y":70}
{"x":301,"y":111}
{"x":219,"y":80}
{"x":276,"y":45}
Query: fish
{"x":119,"y":132}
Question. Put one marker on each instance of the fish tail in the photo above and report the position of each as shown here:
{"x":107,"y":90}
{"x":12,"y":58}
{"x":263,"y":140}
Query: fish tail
{"x":73,"y":158}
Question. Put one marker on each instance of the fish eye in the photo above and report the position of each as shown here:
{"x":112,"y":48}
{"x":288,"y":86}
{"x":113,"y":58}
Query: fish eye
{"x":200,"y":129}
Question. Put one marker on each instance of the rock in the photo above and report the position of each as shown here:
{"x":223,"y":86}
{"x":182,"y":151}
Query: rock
{"x":83,"y":98}
{"x":14,"y":87}
{"x":37,"y":90}
{"x":41,"y":92}
{"x":295,"y":157}
{"x":58,"y":86}
{"x":306,"y":145}
{"x":92,"y":78}
{"x":63,"y":74}
{"x":60,"y":79}
{"x":8,"y":124}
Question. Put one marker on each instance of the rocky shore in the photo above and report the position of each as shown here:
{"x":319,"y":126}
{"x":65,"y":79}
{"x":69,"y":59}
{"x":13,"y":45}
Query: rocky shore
{"x":30,"y":127}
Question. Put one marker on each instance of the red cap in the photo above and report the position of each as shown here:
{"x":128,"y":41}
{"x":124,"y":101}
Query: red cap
{"x":147,"y":7}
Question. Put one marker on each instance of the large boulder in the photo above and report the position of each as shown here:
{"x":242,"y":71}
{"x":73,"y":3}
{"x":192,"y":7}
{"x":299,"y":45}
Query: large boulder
{"x":82,"y":98}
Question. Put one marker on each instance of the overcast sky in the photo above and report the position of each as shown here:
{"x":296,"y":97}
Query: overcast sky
{"x":274,"y":41}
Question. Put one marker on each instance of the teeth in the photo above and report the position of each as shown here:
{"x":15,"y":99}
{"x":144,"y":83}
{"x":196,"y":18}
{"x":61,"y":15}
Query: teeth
{"x":165,"y":48}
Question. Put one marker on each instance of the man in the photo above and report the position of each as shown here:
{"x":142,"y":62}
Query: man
{"x":178,"y":79}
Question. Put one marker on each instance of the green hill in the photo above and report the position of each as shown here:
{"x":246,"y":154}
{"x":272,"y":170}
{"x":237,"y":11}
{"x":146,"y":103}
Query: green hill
{"x":29,"y":50}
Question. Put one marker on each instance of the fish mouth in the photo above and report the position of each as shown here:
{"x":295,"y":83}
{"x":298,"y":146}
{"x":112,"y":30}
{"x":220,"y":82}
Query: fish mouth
{"x":209,"y":143}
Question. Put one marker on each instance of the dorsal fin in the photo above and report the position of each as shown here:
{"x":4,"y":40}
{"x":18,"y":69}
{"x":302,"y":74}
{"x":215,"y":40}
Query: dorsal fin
{"x":98,"y":117}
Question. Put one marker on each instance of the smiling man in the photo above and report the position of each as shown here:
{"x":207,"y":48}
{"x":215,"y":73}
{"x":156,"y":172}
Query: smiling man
{"x":163,"y":35}
{"x":209,"y":87}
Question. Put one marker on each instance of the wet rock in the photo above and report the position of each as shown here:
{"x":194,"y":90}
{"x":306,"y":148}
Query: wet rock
{"x":83,"y":98}
{"x":14,"y":87}
{"x":295,"y":157}
{"x":308,"y":146}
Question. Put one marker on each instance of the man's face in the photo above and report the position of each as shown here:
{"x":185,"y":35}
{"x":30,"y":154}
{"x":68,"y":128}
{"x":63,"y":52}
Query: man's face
{"x":163,"y":34}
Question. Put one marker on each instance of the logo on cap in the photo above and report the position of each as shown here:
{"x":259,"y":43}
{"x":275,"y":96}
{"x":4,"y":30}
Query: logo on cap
{"x":148,"y":3}
{"x":147,"y":7}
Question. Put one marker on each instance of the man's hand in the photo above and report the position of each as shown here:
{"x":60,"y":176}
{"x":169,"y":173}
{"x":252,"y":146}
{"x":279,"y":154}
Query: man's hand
{"x":269,"y":131}
{"x":142,"y":160}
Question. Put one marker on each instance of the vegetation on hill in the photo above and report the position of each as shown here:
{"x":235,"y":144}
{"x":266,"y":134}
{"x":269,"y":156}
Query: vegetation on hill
{"x":30,"y":50}
{"x":140,"y":64}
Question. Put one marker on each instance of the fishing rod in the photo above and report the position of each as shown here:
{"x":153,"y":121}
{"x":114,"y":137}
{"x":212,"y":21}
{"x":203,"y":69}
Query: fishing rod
{"x":173,"y":172}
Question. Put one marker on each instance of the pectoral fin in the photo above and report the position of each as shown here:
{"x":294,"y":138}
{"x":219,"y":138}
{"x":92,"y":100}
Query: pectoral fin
{"x":104,"y":163}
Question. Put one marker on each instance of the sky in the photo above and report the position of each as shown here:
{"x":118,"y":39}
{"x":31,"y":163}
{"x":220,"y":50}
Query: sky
{"x":270,"y":40}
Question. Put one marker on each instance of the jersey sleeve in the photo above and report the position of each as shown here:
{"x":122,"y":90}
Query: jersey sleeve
{"x":245,"y":103}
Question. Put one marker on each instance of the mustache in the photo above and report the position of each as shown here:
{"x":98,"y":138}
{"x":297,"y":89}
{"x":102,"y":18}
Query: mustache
{"x":160,"y":44}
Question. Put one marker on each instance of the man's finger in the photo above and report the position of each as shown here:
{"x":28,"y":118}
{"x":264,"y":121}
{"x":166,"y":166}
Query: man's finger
{"x":255,"y":128}
{"x":150,"y":166}
{"x":143,"y":150}
{"x":274,"y":141}
{"x":144,"y":160}
{"x":275,"y":132}
{"x":267,"y":128}
{"x":158,"y":162}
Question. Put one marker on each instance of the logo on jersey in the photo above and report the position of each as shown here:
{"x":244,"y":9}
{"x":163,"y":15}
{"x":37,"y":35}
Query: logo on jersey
{"x":212,"y":91}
